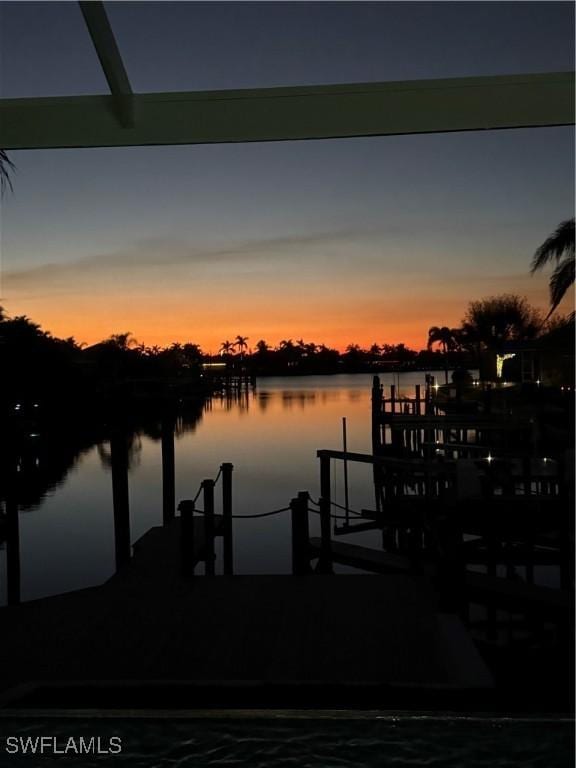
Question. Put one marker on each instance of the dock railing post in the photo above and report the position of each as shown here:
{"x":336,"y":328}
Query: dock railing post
{"x":428,"y":405}
{"x":325,"y":475}
{"x":325,"y":562}
{"x":296,"y":544}
{"x":187,"y":536}
{"x":168,"y":469}
{"x":120,"y":496}
{"x":300,"y":534}
{"x":378,"y":436}
{"x":208,"y":491}
{"x":227,"y":469}
{"x":376,"y":414}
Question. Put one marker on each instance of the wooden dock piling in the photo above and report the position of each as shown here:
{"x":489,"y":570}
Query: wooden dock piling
{"x":325,"y":480}
{"x":187,"y":537}
{"x":168,"y":469}
{"x":300,"y":534}
{"x":208,"y":495}
{"x":120,"y":497}
{"x":228,"y":553}
{"x":325,"y":562}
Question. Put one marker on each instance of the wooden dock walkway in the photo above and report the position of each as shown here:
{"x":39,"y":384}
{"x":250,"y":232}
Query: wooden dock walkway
{"x":149,"y":623}
{"x":157,"y":554}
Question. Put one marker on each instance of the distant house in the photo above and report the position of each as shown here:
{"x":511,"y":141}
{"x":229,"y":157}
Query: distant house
{"x":548,"y":360}
{"x":519,"y":362}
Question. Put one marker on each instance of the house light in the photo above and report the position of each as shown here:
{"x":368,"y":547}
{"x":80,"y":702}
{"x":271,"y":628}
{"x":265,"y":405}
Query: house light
{"x":489,"y":458}
{"x":500,"y":362}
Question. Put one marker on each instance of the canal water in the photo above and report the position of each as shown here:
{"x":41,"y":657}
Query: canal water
{"x":270,"y":435}
{"x":342,"y":740}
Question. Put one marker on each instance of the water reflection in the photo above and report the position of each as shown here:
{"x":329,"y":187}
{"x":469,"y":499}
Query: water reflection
{"x":62,"y":474}
{"x":304,"y":398}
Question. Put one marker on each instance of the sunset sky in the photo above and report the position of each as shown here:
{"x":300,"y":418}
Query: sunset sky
{"x":340,"y":241}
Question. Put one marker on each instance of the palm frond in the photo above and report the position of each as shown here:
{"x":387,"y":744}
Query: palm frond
{"x":560,"y":282}
{"x":559,"y":244}
{"x":6,"y":168}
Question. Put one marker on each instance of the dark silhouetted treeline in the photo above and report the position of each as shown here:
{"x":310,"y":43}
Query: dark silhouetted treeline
{"x":36,"y":366}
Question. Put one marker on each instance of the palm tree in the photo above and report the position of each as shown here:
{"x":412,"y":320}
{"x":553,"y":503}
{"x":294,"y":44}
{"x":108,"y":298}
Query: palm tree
{"x":559,"y":247}
{"x":6,"y":168}
{"x":226,"y":348}
{"x":447,"y":338}
{"x":241,"y":344}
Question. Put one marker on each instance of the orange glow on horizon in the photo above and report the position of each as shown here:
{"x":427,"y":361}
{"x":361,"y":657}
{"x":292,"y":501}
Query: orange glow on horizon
{"x":336,"y":307}
{"x":208,"y":321}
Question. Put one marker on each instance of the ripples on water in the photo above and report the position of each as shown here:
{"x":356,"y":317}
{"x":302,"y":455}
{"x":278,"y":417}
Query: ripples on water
{"x":307,"y":743}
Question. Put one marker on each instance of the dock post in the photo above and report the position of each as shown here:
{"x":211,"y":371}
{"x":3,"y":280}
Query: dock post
{"x":392,"y":398}
{"x":325,"y":476}
{"x":300,"y":535}
{"x":12,"y":551}
{"x":325,"y":562}
{"x":376,"y":413}
{"x":208,"y":490}
{"x":377,"y":439}
{"x":168,"y":470}
{"x":120,"y":496}
{"x":417,"y":399}
{"x":227,"y":469}
{"x":429,"y":405}
{"x":187,"y":537}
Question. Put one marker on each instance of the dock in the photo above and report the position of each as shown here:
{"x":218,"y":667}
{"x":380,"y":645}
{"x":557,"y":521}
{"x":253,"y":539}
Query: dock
{"x":444,"y":610}
{"x":149,"y":624}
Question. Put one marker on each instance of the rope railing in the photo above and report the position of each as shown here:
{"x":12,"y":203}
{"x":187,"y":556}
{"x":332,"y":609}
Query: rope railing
{"x":201,"y":486}
{"x":351,"y":511}
{"x":334,"y":504}
{"x":251,"y":517}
